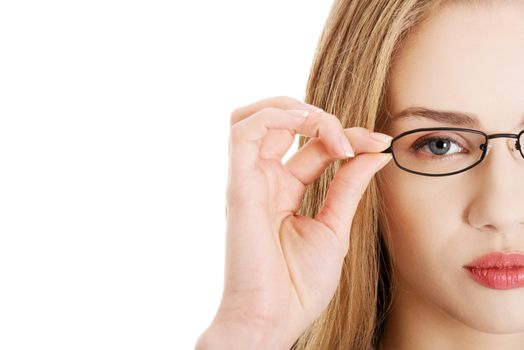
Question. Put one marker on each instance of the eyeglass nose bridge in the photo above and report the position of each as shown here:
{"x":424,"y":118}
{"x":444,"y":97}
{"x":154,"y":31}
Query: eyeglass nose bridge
{"x":515,"y":147}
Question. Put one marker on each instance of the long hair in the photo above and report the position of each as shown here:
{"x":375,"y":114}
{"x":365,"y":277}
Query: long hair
{"x":349,"y":78}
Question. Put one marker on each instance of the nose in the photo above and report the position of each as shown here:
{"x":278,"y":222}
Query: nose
{"x":496,"y":189}
{"x":513,"y":145}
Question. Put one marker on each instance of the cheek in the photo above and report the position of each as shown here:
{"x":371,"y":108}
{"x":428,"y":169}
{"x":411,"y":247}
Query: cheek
{"x":423,"y":224}
{"x":430,"y":243}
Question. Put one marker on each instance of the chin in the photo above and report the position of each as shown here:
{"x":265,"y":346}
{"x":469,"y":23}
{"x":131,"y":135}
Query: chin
{"x":494,"y":312}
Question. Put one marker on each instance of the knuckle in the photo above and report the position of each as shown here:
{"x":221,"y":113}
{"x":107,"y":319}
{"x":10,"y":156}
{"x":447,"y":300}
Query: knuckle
{"x":238,"y":129}
{"x":263,"y":113}
{"x":328,"y":126}
{"x":235,"y":116}
{"x":334,"y":121}
{"x":283,"y":98}
{"x":238,"y":113}
{"x":267,"y":110}
{"x":327,"y":123}
{"x":282,"y":101}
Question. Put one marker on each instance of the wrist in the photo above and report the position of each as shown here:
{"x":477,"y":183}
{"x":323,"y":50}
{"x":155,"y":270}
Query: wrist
{"x":236,"y":336}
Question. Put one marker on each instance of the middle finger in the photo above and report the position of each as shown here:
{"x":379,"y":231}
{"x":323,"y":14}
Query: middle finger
{"x":313,"y":158}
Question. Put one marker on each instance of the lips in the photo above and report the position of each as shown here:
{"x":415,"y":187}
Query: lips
{"x":498,"y":270}
{"x":498,"y":260}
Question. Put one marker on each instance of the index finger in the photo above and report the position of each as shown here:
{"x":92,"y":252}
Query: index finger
{"x":282,"y":102}
{"x":312,"y":158}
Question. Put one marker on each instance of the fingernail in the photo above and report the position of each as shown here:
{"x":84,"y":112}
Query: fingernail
{"x":380,"y":137}
{"x":298,"y":112}
{"x":346,"y":146}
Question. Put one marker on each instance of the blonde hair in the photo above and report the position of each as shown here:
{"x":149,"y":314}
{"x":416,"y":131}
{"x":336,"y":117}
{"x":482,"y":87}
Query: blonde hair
{"x":349,"y":79}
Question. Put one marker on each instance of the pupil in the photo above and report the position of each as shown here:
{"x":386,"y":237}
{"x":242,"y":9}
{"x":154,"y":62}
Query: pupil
{"x":439,"y":144}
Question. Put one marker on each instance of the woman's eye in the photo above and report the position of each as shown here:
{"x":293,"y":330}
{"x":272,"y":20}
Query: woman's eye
{"x":438,"y":146}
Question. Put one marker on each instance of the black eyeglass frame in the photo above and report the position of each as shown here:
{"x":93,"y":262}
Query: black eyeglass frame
{"x":483,"y":146}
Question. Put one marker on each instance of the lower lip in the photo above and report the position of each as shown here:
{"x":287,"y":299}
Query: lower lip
{"x":498,"y":278}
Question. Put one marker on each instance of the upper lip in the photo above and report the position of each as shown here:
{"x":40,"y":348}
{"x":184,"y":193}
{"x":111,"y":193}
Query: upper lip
{"x":498,"y":260}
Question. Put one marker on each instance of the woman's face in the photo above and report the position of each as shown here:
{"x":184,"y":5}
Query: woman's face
{"x":464,"y":59}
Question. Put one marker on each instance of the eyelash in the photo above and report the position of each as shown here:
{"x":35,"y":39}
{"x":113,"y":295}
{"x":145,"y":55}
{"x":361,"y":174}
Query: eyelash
{"x":418,"y":145}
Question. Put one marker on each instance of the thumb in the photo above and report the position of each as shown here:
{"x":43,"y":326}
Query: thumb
{"x":346,"y":190}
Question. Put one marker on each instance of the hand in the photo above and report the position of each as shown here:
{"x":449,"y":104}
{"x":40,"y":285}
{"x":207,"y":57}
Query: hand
{"x":282,"y":269}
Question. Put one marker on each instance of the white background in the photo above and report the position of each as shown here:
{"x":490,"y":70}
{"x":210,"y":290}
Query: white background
{"x":114,"y":122}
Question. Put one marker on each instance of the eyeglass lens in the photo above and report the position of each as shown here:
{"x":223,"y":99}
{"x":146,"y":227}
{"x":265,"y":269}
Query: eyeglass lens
{"x":440,"y":151}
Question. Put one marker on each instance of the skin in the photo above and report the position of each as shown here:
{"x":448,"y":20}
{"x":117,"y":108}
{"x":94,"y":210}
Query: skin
{"x":282,"y":269}
{"x":470,"y":59}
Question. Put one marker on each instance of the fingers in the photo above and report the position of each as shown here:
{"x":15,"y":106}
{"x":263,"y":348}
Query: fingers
{"x":312,"y":158}
{"x":245,"y":135}
{"x":282,"y":102}
{"x":346,"y":190}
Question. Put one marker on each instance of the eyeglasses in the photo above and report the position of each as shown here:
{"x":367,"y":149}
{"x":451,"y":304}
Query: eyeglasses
{"x":443,"y":151}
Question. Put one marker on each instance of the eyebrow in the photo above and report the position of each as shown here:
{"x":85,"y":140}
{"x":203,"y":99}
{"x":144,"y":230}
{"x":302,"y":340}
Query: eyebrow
{"x":451,"y":117}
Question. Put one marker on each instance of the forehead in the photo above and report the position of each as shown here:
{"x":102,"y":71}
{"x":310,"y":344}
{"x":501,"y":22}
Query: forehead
{"x":464,"y":58}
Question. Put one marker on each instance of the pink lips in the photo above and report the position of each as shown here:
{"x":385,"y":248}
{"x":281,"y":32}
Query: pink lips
{"x":498,"y":270}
